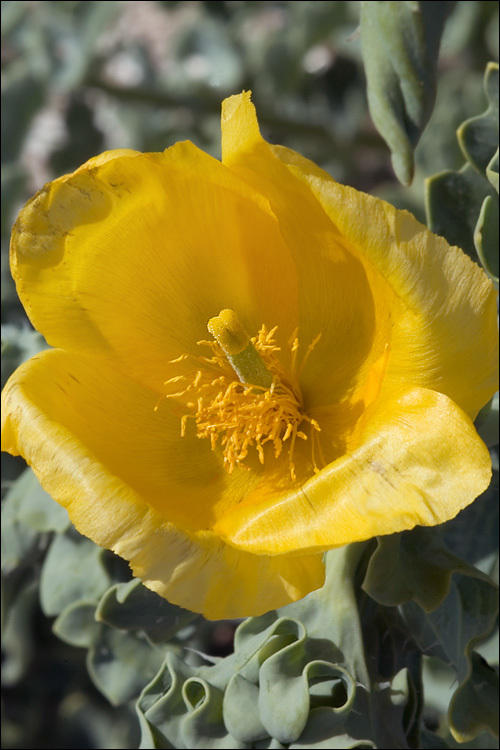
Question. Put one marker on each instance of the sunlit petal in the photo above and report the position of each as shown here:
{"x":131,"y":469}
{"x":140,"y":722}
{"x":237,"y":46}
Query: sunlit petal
{"x":131,"y":485}
{"x":418,"y":462}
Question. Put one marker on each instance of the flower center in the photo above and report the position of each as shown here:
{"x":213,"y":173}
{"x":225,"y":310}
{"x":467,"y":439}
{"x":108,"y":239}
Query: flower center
{"x":262,"y":405}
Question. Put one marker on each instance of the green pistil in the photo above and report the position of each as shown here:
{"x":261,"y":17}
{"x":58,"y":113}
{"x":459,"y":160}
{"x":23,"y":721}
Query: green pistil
{"x":239,"y":350}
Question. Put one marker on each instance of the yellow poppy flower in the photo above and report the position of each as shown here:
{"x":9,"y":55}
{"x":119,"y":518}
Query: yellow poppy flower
{"x":344,"y":352}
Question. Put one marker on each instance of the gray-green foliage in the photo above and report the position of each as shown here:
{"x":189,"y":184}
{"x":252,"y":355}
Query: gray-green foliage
{"x":342,"y":667}
{"x":400,"y":50}
{"x":123,"y":625}
{"x":463,"y":205}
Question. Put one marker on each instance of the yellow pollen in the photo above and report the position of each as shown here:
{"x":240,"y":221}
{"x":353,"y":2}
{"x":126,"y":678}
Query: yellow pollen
{"x":263,"y":406}
{"x":228,"y":331}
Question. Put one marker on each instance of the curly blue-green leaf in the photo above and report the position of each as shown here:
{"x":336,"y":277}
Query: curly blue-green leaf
{"x":492,"y":171}
{"x":241,"y":710}
{"x":131,"y":606}
{"x":486,"y":237}
{"x":161,"y":703}
{"x":486,"y":422}
{"x":121,"y":664}
{"x":478,"y":136}
{"x":203,"y":724}
{"x":73,"y":570}
{"x":77,"y":625}
{"x":400,"y":51}
{"x":474,"y":706}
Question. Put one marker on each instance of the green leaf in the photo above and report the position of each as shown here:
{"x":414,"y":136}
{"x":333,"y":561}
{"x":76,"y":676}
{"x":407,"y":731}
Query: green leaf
{"x":431,"y":741}
{"x":35,"y":508}
{"x":278,"y":689}
{"x":462,"y":206}
{"x":331,"y":613}
{"x":13,"y":181}
{"x":492,"y":171}
{"x":414,"y":565}
{"x":473,"y":534}
{"x":474,"y":706}
{"x":330,"y":685}
{"x":73,"y":570}
{"x":23,"y":93}
{"x":276,"y":678}
{"x":203,"y":725}
{"x":161,"y":704}
{"x":18,"y":345}
{"x":131,"y":606}
{"x":151,"y":737}
{"x":241,"y":710}
{"x":478,"y":136}
{"x":453,"y":204}
{"x":461,"y":610}
{"x":284,"y":693}
{"x":346,"y":722}
{"x":400,"y":52}
{"x":77,"y":624}
{"x":450,"y":633}
{"x":487,"y":422}
{"x":121,"y":664}
{"x":14,"y":582}
{"x":22,"y":543}
{"x":486,"y":236}
{"x":19,"y":543}
{"x":321,"y":732}
{"x":18,"y":643}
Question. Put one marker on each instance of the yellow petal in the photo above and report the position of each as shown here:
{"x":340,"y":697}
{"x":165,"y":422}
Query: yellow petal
{"x":335,"y":293}
{"x":114,"y":418}
{"x":419,"y":462}
{"x":131,"y":255}
{"x":442,"y":307}
{"x":133,"y":486}
{"x":204,"y":574}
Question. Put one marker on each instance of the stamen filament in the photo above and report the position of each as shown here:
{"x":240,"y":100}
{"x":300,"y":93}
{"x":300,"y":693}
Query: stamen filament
{"x":263,"y":406}
{"x":308,"y":352}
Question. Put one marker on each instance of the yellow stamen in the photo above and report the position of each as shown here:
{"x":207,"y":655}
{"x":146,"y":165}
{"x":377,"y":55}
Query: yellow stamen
{"x":264,"y":405}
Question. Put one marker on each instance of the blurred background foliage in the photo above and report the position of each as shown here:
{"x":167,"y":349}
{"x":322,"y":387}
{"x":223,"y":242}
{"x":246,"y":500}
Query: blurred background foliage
{"x":80,"y":77}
